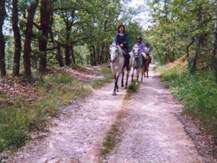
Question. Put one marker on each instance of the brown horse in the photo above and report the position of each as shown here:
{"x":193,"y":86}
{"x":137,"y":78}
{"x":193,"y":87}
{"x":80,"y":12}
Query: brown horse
{"x":147,"y":61}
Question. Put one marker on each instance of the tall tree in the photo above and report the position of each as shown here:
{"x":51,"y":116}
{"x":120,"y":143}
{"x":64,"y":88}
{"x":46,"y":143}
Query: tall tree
{"x":2,"y":39}
{"x":31,"y":9}
{"x":45,"y":23}
{"x":68,"y":17}
{"x":17,"y":38}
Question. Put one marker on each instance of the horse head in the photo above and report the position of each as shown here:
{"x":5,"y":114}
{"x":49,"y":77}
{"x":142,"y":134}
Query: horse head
{"x":114,"y":52}
{"x":135,"y":52}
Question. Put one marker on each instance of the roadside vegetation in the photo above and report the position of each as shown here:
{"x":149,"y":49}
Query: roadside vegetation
{"x":198,"y":93}
{"x":184,"y":39}
{"x":22,"y":114}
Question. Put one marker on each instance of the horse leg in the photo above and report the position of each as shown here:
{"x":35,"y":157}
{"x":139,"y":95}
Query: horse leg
{"x":147,"y":72}
{"x":122,"y":80}
{"x":137,"y":73}
{"x":132,"y":75}
{"x":126,"y":84}
{"x":142,"y":74}
{"x":148,"y":68}
{"x":114,"y":90}
{"x":116,"y":83}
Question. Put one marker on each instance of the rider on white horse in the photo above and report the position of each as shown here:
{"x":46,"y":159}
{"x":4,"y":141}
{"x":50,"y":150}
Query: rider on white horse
{"x":122,"y":40}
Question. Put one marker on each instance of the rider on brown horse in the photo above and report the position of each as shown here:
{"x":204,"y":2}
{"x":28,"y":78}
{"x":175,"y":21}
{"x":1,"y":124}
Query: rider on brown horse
{"x":144,"y":50}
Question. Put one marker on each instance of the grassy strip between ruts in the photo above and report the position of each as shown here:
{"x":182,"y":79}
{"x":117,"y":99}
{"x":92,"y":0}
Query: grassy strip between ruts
{"x":133,"y":87}
{"x":20,"y":116}
{"x":198,"y":92}
{"x":113,"y":136}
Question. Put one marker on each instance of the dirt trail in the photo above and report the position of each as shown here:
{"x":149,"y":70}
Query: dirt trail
{"x":152,"y":133}
{"x":78,"y":132}
{"x":152,"y":130}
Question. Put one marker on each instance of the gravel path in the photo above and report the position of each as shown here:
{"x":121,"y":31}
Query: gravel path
{"x":152,"y":132}
{"x":77,"y":133}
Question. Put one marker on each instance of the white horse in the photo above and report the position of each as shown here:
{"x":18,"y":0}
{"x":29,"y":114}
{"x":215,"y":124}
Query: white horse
{"x":137,"y":62}
{"x":117,"y":63}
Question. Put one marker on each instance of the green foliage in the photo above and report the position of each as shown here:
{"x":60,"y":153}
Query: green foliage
{"x":12,"y":127}
{"x":133,"y":87}
{"x":182,"y":27}
{"x":82,"y":55}
{"x":198,"y":92}
{"x":134,"y":31}
{"x":20,"y":116}
{"x":87,"y":28}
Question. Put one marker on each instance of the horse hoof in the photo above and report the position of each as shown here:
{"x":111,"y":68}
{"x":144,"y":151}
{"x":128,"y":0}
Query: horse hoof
{"x":125,"y":87}
{"x":114,"y":94}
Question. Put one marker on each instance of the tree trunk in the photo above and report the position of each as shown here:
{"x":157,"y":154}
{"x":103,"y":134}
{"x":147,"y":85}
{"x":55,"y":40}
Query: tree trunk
{"x":106,"y":54}
{"x":215,"y":33}
{"x":199,"y":40}
{"x":2,"y":39}
{"x":214,"y":62}
{"x":59,"y":55}
{"x":101,"y":54}
{"x":28,"y":38}
{"x":68,"y":59}
{"x":68,"y":56}
{"x":17,"y":38}
{"x":72,"y":53}
{"x":45,"y":22}
{"x":93,"y":57}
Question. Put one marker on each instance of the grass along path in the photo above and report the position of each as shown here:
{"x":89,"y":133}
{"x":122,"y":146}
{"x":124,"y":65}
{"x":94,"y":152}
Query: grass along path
{"x":198,"y":93}
{"x":78,"y":132}
{"x":21,"y":114}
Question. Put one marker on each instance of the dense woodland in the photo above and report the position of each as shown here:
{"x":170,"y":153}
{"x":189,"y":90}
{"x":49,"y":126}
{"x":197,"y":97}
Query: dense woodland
{"x":37,"y":33}
{"x":183,"y":27}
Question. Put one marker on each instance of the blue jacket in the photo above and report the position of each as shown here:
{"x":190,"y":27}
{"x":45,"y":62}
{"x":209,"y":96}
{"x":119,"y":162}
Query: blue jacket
{"x":122,"y":39}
